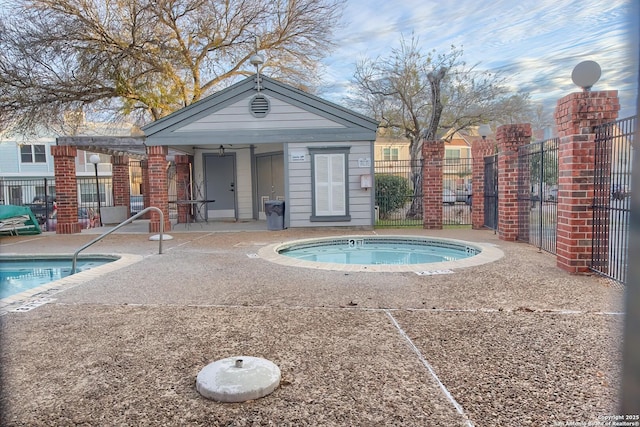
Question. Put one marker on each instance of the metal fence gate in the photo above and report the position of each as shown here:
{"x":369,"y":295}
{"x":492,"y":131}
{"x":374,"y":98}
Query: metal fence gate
{"x":491,"y":192}
{"x":538,"y":194}
{"x":397,"y":204}
{"x":612,"y":198}
{"x":456,"y":190}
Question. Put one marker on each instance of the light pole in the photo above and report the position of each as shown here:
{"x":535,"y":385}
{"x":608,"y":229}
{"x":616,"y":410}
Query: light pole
{"x":95,"y":159}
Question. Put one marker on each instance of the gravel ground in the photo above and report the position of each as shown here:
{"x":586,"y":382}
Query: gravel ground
{"x":522,"y":368}
{"x":510,"y":343}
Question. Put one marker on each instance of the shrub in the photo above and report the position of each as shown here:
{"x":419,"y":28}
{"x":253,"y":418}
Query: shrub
{"x":392,"y":192}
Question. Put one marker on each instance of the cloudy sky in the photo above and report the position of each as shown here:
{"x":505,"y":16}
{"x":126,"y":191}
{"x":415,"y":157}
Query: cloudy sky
{"x":536,"y":43}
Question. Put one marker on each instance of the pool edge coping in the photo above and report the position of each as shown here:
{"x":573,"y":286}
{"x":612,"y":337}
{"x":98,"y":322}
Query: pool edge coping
{"x":489,"y":253}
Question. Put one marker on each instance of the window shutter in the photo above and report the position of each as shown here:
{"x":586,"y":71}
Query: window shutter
{"x":337,"y":185}
{"x":322,"y":184}
{"x":330,"y":184}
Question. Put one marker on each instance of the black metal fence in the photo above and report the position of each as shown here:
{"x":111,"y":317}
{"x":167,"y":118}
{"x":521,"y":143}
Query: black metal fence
{"x":612,"y":198}
{"x":398,"y":201}
{"x":457,"y":192}
{"x":88,"y":190}
{"x":399,"y":192}
{"x":136,"y":188}
{"x":490,"y":192}
{"x":22,"y":191}
{"x":39,"y":195}
{"x":538,"y":194}
{"x":135,"y":177}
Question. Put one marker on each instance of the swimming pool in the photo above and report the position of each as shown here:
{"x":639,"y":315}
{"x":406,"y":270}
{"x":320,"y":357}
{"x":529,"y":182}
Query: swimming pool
{"x":380,"y":253}
{"x":19,"y":274}
{"x":93,"y":266}
{"x":374,"y":251}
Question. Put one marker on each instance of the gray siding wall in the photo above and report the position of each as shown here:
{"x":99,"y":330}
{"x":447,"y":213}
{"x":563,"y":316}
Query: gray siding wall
{"x":299,"y":207}
{"x":282,"y":115}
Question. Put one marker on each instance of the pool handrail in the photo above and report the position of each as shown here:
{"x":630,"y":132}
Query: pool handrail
{"x":122,"y":224}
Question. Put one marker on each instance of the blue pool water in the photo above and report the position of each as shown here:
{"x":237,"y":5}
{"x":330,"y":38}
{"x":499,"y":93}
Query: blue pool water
{"x":21,"y":274}
{"x":372,"y":251}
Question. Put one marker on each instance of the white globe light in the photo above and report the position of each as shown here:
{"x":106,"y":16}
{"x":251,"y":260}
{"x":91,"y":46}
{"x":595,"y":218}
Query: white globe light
{"x":484,"y":131}
{"x":586,"y":74}
{"x":95,"y":159}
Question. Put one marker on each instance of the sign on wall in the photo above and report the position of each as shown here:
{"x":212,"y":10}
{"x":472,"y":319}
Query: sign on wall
{"x":298,"y":155}
{"x":364,"y":162}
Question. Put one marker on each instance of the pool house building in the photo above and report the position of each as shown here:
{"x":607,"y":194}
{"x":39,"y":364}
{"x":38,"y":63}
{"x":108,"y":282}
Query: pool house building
{"x":256,"y":141}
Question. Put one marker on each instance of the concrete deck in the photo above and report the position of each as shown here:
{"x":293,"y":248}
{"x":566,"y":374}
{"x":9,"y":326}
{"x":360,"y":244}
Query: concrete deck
{"x":513,"y":342}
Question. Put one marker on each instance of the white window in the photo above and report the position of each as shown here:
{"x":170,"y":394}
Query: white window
{"x":452,"y":157}
{"x":33,"y":153}
{"x":330,"y":184}
{"x":88,"y":191}
{"x":390,"y":153}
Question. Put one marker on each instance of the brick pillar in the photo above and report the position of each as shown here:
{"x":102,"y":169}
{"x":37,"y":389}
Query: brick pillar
{"x":158,"y":188}
{"x":121,"y":182}
{"x":64,"y":164}
{"x":576,"y":115}
{"x":183,"y":185}
{"x":432,"y":155}
{"x":509,"y":139}
{"x":144,"y":166}
{"x":480,"y":148}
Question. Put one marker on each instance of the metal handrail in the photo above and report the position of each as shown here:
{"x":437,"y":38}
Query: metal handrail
{"x":122,"y":224}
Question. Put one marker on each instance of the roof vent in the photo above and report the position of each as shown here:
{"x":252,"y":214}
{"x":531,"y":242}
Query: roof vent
{"x":259,"y":106}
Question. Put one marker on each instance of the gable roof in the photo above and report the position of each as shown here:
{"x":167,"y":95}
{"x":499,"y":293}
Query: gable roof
{"x":225,"y":117}
{"x":462,"y":137}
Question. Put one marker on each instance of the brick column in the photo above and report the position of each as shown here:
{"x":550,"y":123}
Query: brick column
{"x":183,"y":185}
{"x":576,"y":115}
{"x":509,"y":138}
{"x":144,"y":166}
{"x":432,"y":155}
{"x":64,"y":164}
{"x":480,"y":148}
{"x":158,"y":188}
{"x":121,"y":182}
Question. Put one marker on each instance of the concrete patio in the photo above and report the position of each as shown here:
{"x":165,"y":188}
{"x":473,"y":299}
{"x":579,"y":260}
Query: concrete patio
{"x":514,"y":342}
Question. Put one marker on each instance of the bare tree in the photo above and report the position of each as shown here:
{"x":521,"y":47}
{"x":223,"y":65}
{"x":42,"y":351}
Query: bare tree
{"x":147,"y":58}
{"x":422,"y":96}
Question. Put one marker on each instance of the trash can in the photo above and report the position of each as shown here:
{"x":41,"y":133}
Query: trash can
{"x":274,"y":210}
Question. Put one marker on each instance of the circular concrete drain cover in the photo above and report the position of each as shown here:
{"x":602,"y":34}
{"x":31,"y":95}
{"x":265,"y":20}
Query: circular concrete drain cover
{"x":238,"y":379}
